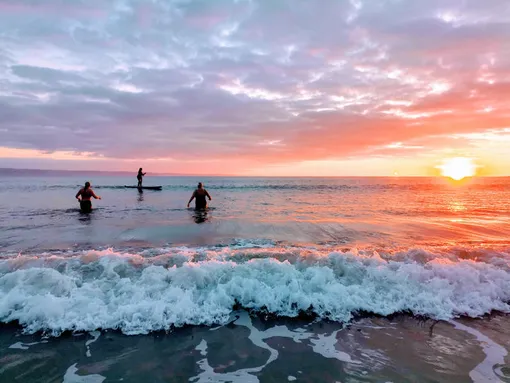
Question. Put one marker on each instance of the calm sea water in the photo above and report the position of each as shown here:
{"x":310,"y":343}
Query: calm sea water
{"x":42,"y":212}
{"x":330,"y":248}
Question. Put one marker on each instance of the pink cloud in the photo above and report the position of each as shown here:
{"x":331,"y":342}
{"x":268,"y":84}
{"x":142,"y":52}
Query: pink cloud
{"x":60,"y":8}
{"x":144,"y":15}
{"x":243,"y":83}
{"x":207,"y":21}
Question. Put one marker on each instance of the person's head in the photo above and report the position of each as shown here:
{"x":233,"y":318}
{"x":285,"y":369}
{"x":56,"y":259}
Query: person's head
{"x":87,"y":185}
{"x":140,"y":169}
{"x":200,"y":185}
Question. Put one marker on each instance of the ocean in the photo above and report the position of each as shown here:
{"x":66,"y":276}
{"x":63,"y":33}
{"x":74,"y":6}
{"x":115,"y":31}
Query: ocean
{"x":281,"y":279}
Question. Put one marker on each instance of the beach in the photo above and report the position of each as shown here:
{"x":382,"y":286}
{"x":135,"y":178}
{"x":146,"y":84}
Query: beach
{"x":282,"y":279}
{"x":254,"y":349}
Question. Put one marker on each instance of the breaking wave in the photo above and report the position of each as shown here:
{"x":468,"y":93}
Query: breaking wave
{"x":157,"y":289}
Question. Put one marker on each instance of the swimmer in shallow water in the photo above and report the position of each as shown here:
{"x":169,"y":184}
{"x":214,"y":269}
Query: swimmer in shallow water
{"x":86,"y":193}
{"x":199,"y":196}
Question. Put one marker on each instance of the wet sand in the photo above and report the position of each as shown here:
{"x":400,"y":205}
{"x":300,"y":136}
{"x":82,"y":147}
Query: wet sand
{"x":254,"y":349}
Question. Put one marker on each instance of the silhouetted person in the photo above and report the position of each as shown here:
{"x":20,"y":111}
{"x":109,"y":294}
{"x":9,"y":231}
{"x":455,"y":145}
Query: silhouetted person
{"x":86,"y":193}
{"x":199,"y":195}
{"x":139,"y":177}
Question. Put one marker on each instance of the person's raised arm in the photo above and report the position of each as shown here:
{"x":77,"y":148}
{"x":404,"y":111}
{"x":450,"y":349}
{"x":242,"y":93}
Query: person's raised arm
{"x":94,"y":195}
{"x":79,"y":193}
{"x":192,"y":198}
{"x":208,"y":196}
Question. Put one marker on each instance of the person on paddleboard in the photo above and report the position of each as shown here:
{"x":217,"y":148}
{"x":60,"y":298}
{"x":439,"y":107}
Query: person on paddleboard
{"x":199,"y":196}
{"x":86,"y":193}
{"x":139,"y":177}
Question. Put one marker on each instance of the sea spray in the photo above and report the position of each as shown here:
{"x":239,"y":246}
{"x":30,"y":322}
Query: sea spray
{"x":137,"y":293}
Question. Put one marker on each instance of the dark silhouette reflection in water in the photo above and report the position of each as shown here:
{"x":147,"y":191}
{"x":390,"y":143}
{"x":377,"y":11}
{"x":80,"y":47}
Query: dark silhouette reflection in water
{"x":200,"y":215}
{"x":85,"y":218}
{"x":140,"y":195}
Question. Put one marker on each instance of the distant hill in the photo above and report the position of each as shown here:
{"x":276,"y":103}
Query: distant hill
{"x":61,"y":173}
{"x":48,"y":172}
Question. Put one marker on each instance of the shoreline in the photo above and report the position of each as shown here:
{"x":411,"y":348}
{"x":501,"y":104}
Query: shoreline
{"x":264,"y":315}
{"x":251,"y":348}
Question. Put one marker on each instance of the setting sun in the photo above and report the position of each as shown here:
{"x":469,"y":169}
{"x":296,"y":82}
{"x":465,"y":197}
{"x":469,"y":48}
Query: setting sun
{"x":458,"y":168}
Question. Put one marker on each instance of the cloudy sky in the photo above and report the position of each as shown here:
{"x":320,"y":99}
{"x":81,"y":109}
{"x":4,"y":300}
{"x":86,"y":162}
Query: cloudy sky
{"x":279,"y":87}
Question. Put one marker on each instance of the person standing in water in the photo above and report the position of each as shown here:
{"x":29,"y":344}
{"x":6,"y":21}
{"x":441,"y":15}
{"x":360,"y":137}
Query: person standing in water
{"x":139,"y":177}
{"x":199,"y":195}
{"x":86,"y":193}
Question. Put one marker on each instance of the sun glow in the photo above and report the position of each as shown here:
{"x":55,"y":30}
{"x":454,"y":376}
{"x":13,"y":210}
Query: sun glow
{"x":458,"y":168}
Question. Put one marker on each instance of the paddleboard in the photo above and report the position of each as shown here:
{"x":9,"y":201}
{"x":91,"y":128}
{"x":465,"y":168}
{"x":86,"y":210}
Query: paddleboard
{"x":145,"y":187}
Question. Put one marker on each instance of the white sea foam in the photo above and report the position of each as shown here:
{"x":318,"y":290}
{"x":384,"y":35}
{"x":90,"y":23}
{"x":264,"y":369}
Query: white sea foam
{"x":139,"y":293}
{"x":495,"y":356}
{"x":25,"y":346}
{"x":243,"y":375}
{"x":95,"y":336}
{"x":258,"y":337}
{"x":325,"y":345}
{"x":71,"y":376}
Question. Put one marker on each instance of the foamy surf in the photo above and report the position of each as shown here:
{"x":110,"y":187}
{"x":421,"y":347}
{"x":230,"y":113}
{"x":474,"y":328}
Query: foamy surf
{"x":160,"y":289}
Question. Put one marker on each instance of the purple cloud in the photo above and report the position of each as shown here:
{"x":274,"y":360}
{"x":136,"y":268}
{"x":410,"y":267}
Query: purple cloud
{"x":258,"y":80}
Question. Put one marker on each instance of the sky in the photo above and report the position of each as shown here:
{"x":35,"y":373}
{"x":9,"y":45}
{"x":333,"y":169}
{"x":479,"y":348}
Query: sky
{"x":255,"y":87}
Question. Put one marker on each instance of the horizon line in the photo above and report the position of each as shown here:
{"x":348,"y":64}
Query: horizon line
{"x":159,"y":174}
